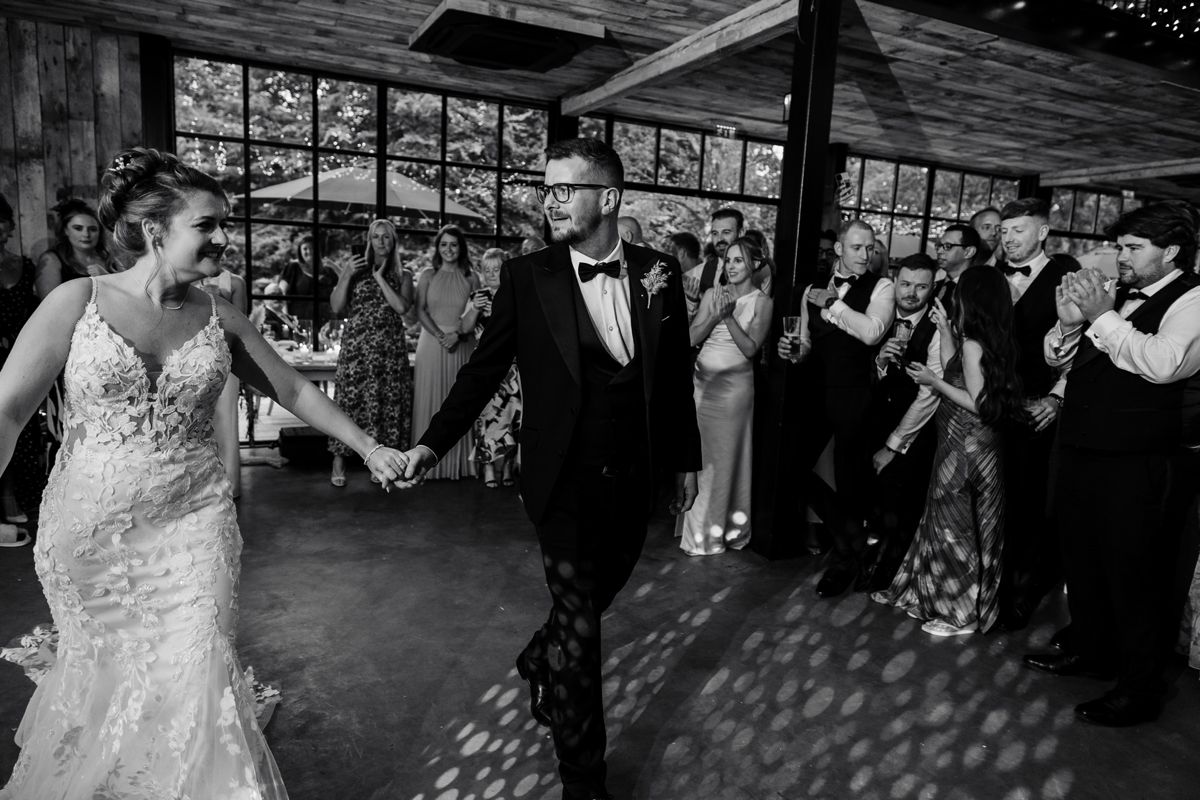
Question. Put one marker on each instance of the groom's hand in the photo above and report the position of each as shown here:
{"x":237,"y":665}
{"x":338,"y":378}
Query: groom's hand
{"x":685,"y":492}
{"x":419,"y":459}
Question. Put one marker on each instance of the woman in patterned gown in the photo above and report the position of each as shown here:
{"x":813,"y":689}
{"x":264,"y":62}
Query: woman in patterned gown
{"x":374,"y":380}
{"x":138,"y":550}
{"x":442,"y":294}
{"x":951,"y":575}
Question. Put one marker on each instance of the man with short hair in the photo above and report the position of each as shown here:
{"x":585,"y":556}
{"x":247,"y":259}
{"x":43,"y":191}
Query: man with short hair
{"x":902,"y":435}
{"x":725,"y":227}
{"x":630,"y":230}
{"x":1132,"y":354}
{"x":956,"y":250}
{"x":686,"y":249}
{"x":826,"y":255}
{"x":598,"y":330}
{"x":987,"y":224}
{"x":1032,"y":564}
{"x":841,"y":323}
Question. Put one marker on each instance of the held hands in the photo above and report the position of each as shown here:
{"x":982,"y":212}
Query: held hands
{"x":685,"y":493}
{"x":1085,"y":289}
{"x":388,"y":465}
{"x":448,"y":341}
{"x":1042,"y":412}
{"x":418,"y":460}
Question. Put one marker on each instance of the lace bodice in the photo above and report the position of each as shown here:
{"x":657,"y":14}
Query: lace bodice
{"x":112,"y":401}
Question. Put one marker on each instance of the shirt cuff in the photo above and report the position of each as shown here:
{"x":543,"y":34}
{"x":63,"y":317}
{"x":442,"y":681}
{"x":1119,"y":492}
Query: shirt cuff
{"x":429,"y":450}
{"x":1104,"y":326}
{"x":894,"y":442}
{"x":838,"y":308}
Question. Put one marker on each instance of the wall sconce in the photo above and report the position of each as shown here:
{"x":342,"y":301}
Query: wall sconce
{"x":787,"y":107}
{"x":726,"y":131}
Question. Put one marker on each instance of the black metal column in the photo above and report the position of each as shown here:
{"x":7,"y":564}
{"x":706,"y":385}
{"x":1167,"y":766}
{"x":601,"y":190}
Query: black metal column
{"x":778,"y":501}
{"x":156,"y":64}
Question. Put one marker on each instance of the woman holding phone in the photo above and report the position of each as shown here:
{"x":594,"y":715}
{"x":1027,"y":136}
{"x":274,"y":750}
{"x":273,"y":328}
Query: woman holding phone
{"x":374,"y":292}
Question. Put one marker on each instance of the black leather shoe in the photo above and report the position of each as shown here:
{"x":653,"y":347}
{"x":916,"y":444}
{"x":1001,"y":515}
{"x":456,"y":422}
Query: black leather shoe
{"x":1067,"y":665}
{"x":1117,"y":710}
{"x":836,"y":580}
{"x":539,"y":696}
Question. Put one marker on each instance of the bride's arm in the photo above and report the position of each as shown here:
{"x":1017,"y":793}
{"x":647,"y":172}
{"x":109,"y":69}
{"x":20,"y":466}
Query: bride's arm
{"x":256,"y":362}
{"x":36,"y":358}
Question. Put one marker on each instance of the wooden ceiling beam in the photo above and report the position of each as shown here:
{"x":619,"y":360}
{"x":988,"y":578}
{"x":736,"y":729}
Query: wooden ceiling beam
{"x":1125,"y":172}
{"x":752,"y":26}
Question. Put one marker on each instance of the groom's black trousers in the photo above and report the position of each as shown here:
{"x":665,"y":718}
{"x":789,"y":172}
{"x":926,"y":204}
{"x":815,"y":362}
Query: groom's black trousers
{"x":591,"y":537}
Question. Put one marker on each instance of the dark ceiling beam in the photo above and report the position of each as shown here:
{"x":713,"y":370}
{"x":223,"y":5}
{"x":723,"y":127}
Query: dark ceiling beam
{"x":752,"y":26}
{"x":1122,"y":172}
{"x":1078,"y":27}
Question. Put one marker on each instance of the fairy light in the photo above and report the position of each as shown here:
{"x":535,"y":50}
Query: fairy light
{"x":1181,"y":19}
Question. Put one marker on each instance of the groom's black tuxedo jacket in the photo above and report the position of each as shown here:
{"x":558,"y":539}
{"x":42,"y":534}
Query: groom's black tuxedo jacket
{"x":535,"y":320}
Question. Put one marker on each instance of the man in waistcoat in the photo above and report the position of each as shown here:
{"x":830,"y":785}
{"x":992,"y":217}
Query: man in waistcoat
{"x":903,"y":435}
{"x":1132,"y":352}
{"x":1031,"y":559}
{"x":598,"y":330}
{"x":842,"y":322}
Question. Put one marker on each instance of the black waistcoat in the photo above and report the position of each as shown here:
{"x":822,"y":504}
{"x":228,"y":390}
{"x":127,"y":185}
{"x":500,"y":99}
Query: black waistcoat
{"x":842,"y":359}
{"x":896,"y":391}
{"x":1033,"y":315}
{"x":1107,"y":408}
{"x":611,"y":430}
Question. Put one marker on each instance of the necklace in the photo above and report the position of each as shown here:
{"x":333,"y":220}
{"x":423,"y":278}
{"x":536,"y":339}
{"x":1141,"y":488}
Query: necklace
{"x":175,"y":307}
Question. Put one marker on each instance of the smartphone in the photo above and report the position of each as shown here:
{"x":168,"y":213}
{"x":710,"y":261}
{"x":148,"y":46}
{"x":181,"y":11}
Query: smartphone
{"x":359,"y":250}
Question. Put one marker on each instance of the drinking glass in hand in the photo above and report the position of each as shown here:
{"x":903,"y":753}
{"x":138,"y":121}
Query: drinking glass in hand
{"x":903,"y":332}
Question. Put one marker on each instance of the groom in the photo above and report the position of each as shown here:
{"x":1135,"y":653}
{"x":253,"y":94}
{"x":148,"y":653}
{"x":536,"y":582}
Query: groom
{"x":599,"y":332}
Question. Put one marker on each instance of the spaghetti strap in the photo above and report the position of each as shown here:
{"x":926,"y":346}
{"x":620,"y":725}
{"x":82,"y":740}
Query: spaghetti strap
{"x":212,"y":299}
{"x":95,"y":286}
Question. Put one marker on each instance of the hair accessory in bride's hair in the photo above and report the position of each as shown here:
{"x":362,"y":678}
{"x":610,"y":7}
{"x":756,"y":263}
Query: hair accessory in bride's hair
{"x":120,"y":163}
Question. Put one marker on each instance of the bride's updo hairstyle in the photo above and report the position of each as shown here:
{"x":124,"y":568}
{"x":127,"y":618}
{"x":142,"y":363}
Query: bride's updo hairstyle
{"x":142,"y":184}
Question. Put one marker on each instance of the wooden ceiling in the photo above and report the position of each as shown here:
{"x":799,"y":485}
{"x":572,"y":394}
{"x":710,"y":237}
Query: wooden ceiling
{"x":908,"y":85}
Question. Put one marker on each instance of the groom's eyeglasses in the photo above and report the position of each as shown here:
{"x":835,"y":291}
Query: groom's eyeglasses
{"x":563,"y":192}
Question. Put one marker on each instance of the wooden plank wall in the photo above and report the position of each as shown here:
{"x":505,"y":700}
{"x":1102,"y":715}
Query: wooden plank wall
{"x":71,"y":99}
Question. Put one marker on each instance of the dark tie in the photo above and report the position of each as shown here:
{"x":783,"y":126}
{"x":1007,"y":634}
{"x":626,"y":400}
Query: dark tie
{"x":610,"y":268}
{"x":1007,"y":270}
{"x":1135,"y":294}
{"x":839,"y":281}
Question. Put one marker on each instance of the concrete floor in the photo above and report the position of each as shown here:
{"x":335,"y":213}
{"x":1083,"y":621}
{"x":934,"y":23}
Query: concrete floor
{"x":390,"y":622}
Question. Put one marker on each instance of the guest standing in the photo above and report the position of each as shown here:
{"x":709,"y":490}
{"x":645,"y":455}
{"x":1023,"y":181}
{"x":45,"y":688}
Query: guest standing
{"x":301,"y":277}
{"x":443,"y":348}
{"x":730,"y":326}
{"x":79,"y":249}
{"x":499,"y":424}
{"x":951,"y":574}
{"x":374,"y":380}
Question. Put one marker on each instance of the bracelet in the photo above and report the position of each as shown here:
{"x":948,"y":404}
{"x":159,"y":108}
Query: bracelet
{"x":371,"y":452}
{"x":1056,"y":398}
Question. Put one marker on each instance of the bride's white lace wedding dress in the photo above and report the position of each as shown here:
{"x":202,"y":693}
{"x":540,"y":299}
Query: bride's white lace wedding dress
{"x":138,"y":554}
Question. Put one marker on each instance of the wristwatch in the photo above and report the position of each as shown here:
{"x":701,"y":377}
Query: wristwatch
{"x":1058,"y":398}
{"x":829,"y":301}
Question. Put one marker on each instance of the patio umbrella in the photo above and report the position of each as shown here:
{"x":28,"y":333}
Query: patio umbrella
{"x":348,"y":186}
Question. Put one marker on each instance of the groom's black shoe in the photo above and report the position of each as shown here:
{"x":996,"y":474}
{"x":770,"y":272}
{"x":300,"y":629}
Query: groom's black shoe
{"x":539,"y":695}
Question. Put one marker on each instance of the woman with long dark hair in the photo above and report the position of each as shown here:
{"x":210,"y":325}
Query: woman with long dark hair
{"x":951,"y":575}
{"x":79,"y":249}
{"x":442,"y":294}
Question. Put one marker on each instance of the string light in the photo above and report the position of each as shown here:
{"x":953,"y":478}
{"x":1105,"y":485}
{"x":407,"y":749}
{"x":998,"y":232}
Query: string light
{"x":1174,"y":17}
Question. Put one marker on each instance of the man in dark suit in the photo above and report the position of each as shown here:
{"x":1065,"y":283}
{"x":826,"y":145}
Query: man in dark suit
{"x":957,"y":248}
{"x":1032,"y":564}
{"x":600,"y":336}
{"x":1133,"y":352}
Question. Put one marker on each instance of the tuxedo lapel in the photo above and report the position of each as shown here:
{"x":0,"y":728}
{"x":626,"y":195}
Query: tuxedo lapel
{"x":554,"y":284}
{"x":647,"y":310}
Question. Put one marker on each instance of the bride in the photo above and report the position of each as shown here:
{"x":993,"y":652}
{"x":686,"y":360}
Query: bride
{"x":138,"y":547}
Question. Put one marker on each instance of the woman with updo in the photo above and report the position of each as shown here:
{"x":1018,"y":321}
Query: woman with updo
{"x":444,"y":347}
{"x":138,"y":548}
{"x":79,"y":250}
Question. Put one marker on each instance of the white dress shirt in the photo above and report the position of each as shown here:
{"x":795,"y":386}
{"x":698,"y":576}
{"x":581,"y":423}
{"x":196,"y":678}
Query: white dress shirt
{"x":1172,"y":354}
{"x":925,"y":404}
{"x":1018,"y":283}
{"x":607,"y":301}
{"x":868,"y":327}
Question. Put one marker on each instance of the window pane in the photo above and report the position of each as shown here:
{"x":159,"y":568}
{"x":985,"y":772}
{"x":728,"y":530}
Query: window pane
{"x":910,"y":189}
{"x":222,"y":160}
{"x":1110,"y":209}
{"x":272,"y":247}
{"x":722,"y":164}
{"x":280,"y":106}
{"x":521,"y":213}
{"x":679,"y":159}
{"x":635,"y":144}
{"x":946,"y":187}
{"x":525,"y":133}
{"x":906,"y":237}
{"x":1084,"y":218}
{"x":414,"y":194}
{"x":1130,"y":204}
{"x":414,"y":124}
{"x":347,"y":190}
{"x":764,"y":169}
{"x":977,"y":192}
{"x":592,"y":127}
{"x":208,"y":97}
{"x":281,"y":182}
{"x":347,"y":114}
{"x":336,"y":244}
{"x":472,"y":129}
{"x":471,"y":198}
{"x":1004,"y":191}
{"x":853,"y":175}
{"x":416,"y":250}
{"x":882,"y":223}
{"x":879,"y":181}
{"x":1061,"y":202}
{"x":936,"y":229}
{"x":662,"y":215}
{"x":234,"y":257}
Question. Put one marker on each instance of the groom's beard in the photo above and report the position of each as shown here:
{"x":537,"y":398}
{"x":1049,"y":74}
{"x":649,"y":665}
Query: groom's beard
{"x":578,"y":230}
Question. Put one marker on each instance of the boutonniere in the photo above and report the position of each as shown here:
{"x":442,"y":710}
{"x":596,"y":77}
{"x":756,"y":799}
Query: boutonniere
{"x":654,"y":280}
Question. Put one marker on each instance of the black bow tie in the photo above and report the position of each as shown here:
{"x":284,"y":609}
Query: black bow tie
{"x":839,"y":281}
{"x":1135,"y":294}
{"x":1007,"y":270}
{"x":610,"y":268}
